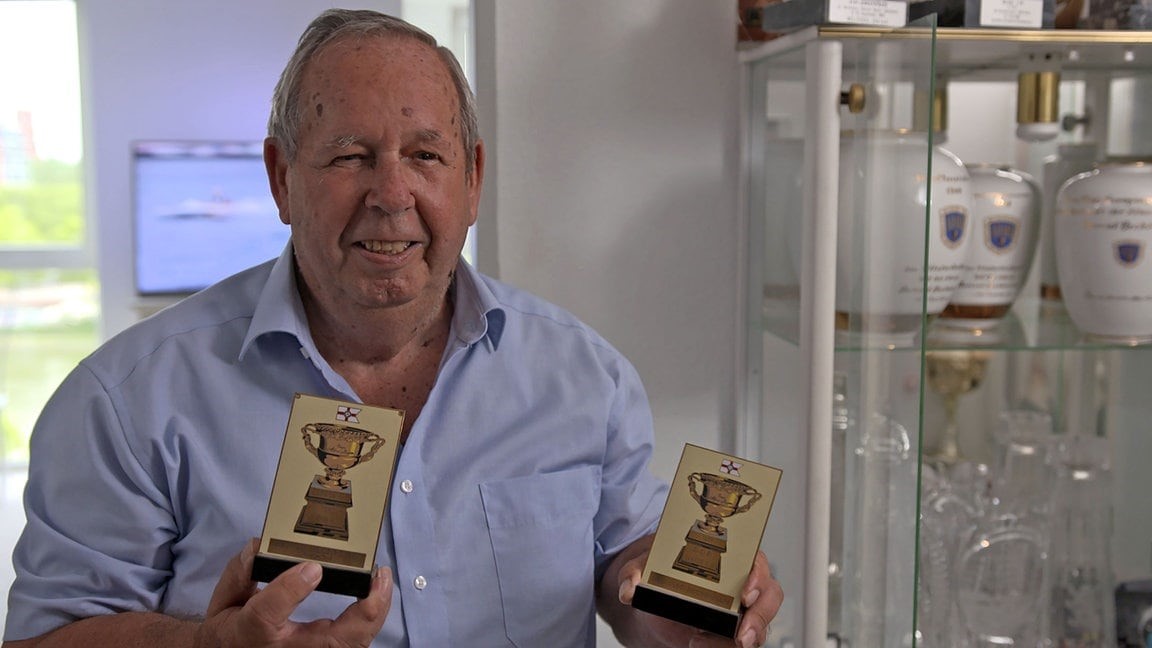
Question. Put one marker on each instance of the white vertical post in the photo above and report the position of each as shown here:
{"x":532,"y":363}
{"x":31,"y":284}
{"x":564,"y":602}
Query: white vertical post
{"x":484,"y":71}
{"x":817,"y":316}
{"x":1097,"y":106}
{"x":748,"y":383}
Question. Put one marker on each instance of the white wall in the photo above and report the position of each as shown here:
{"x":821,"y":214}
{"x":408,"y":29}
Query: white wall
{"x":616,"y":188}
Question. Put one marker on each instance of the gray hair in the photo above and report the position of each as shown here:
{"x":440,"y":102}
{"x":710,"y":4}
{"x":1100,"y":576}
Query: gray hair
{"x":336,"y":24}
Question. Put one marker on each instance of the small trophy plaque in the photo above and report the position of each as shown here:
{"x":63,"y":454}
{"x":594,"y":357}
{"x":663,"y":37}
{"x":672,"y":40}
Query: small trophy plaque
{"x":707,"y":541}
{"x":312,"y":515}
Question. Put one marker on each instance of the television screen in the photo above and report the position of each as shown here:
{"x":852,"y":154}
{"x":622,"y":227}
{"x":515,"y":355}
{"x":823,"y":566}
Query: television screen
{"x":203,"y":211}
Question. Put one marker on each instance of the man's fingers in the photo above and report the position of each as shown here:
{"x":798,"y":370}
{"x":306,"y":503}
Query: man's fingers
{"x":758,"y":579}
{"x":272,"y":606}
{"x":235,"y":585}
{"x":630,"y":573}
{"x":366,"y":616}
{"x":762,"y":597}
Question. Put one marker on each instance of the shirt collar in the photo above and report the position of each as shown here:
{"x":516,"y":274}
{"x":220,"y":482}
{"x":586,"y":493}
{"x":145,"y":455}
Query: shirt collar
{"x":478,"y":314}
{"x":279,"y":308}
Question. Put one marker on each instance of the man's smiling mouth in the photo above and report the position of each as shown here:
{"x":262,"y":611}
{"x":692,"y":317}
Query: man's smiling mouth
{"x":386,"y":247}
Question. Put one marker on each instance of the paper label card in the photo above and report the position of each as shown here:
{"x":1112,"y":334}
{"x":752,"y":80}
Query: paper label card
{"x":331,"y":491}
{"x":709,"y":533}
{"x":1012,"y":13}
{"x":879,"y":13}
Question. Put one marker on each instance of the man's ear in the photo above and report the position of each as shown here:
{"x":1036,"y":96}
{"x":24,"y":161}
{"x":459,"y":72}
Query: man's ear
{"x":476,"y":181}
{"x":276,"y":164}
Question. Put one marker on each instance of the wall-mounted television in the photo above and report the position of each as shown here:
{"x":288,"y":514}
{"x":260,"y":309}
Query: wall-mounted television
{"x":203,"y":211}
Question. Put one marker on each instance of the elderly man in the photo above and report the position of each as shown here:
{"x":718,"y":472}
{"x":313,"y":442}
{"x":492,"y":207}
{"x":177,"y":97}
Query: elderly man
{"x":526,"y":503}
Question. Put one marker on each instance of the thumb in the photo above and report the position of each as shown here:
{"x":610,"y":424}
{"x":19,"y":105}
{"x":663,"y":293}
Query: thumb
{"x":235,"y":586}
{"x":629,"y":577}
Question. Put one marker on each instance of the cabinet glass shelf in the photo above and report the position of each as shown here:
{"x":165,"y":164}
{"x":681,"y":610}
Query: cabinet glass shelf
{"x":869,"y":428}
{"x":1031,"y":325}
{"x":991,"y":52}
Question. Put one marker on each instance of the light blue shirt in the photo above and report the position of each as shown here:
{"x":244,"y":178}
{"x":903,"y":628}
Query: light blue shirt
{"x":524,"y":474}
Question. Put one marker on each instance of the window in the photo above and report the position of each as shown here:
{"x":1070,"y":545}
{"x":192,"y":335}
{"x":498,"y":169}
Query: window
{"x":48,"y":288}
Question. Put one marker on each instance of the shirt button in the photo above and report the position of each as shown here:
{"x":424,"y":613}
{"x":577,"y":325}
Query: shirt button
{"x":406,"y":485}
{"x":420,"y":582}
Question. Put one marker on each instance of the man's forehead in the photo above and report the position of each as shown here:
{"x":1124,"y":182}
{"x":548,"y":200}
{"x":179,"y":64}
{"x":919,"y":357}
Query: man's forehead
{"x":334,"y":63}
{"x":389,"y":45}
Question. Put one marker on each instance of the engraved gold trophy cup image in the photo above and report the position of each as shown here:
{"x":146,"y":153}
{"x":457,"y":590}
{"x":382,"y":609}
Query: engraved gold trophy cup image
{"x":720,"y":497}
{"x":340,"y":448}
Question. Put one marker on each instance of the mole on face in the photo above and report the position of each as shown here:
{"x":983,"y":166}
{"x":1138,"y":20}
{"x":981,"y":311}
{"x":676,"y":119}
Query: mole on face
{"x":406,"y":111}
{"x":319,"y":110}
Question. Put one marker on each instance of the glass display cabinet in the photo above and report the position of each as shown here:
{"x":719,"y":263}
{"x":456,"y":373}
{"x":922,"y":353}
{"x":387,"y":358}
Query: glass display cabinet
{"x":956,"y":471}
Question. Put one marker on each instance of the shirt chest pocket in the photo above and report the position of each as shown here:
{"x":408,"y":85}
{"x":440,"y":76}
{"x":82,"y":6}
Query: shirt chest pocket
{"x":543,"y":542}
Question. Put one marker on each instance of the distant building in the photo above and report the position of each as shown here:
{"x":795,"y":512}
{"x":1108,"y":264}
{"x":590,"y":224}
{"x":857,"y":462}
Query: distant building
{"x":17,"y":151}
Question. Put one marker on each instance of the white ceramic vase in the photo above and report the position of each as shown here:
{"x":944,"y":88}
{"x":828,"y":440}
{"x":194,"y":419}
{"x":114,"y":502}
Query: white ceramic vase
{"x":1103,"y":232}
{"x":1069,"y":160}
{"x":884,"y":212}
{"x":1004,"y":233}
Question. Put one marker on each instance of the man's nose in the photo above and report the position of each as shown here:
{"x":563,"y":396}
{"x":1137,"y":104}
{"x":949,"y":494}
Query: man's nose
{"x":390,"y":187}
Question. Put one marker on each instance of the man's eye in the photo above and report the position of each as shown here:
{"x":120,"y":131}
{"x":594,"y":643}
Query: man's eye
{"x":427,"y":156}
{"x":349,"y":159}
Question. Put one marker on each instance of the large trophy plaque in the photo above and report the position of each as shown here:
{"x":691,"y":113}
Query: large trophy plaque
{"x":330,"y":492}
{"x":707,"y":540}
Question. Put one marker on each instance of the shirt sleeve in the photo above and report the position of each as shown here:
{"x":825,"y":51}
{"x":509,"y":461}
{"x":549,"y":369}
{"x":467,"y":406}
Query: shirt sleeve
{"x":99,"y":527}
{"x":631,"y":497}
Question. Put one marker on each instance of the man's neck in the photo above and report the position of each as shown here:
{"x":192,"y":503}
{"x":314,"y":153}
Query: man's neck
{"x":372,"y":336}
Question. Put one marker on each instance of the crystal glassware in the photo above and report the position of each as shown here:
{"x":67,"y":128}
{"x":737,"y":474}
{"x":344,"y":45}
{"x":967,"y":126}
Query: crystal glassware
{"x":948,"y":509}
{"x":879,"y":586}
{"x":1002,"y":566}
{"x":1082,"y":606}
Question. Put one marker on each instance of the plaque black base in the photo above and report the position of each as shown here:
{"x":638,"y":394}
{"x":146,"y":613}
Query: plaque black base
{"x":721,"y":622}
{"x":335,"y":581}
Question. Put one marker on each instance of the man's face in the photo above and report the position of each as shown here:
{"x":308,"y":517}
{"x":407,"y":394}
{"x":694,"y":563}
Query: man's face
{"x":378,"y":197}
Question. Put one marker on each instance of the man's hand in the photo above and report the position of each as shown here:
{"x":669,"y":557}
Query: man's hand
{"x":239,"y":614}
{"x":761,"y":598}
